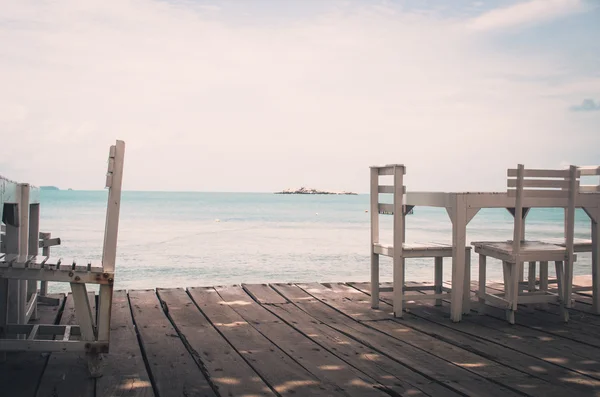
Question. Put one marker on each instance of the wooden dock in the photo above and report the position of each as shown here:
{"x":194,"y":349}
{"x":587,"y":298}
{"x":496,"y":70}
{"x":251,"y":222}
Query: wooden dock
{"x":315,"y":339}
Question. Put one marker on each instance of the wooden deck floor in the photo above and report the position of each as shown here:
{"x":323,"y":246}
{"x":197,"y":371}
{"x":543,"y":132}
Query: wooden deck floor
{"x":315,"y":339}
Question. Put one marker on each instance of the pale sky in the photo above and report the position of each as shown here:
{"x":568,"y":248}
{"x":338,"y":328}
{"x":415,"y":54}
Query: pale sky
{"x":223,"y":95}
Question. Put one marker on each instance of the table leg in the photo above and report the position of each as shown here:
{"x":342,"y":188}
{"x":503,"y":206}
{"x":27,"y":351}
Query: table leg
{"x":459,"y":230}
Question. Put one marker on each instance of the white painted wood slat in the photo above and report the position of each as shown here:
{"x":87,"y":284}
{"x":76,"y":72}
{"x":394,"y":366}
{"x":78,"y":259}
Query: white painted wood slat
{"x":540,"y":183}
{"x":533,"y":173}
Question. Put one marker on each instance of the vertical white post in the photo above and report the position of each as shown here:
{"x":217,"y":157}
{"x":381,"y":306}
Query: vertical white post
{"x":114,"y":180}
{"x":4,"y":291}
{"x":12,"y":247}
{"x":524,"y":214}
{"x":33,"y":249}
{"x":459,"y":243}
{"x":515,"y":273}
{"x":513,"y":292}
{"x":46,"y":253}
{"x":374,"y":196}
{"x":570,"y":234}
{"x":23,"y":247}
{"x":398,"y":259}
{"x":595,"y":264}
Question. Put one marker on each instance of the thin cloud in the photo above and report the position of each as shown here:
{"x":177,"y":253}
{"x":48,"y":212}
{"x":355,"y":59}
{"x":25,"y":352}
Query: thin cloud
{"x":588,"y":105}
{"x":527,"y":13}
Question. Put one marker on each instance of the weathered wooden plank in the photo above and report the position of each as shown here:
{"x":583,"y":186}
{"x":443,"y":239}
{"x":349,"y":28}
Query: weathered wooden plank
{"x":173,"y":370}
{"x":263,"y":294}
{"x":396,"y":377}
{"x":435,"y":325}
{"x":319,"y":361}
{"x":20,"y":372}
{"x":225,"y":367}
{"x":124,"y":371}
{"x":350,"y":300}
{"x":278,"y":369}
{"x":67,"y":374}
{"x":553,"y":349}
{"x":445,"y":372}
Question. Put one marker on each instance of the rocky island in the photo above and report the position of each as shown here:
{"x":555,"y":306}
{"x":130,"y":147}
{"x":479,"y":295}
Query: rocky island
{"x":305,"y":190}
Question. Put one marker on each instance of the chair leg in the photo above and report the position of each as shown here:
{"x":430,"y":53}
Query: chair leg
{"x":521,"y":274}
{"x":560,"y":277}
{"x":530,"y":283}
{"x":505,"y":275}
{"x":439,"y":271}
{"x":398,"y":286}
{"x":374,"y":281}
{"x":83,"y":313}
{"x":544,"y":281}
{"x":511,"y":290}
{"x":482,"y":277}
{"x":568,"y":282}
{"x":467,"y":284}
{"x":531,"y":277}
{"x":544,"y":276}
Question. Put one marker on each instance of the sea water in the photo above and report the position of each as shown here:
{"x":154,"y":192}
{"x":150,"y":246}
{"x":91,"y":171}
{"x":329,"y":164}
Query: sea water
{"x":173,"y":239}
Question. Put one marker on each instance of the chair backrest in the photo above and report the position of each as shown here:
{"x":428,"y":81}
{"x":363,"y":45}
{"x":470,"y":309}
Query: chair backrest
{"x":562,"y":185}
{"x":397,"y":188}
{"x":114,"y":180}
{"x":590,"y":170}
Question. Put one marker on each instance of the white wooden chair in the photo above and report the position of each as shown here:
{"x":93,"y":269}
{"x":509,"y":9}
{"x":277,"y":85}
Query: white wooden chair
{"x":400,"y":250}
{"x":579,"y":244}
{"x":93,"y":335}
{"x":554,"y":187}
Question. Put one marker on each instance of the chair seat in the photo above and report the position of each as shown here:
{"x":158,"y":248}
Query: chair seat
{"x":579,"y":244}
{"x":46,"y":268}
{"x":530,"y":250}
{"x":417,"y":250}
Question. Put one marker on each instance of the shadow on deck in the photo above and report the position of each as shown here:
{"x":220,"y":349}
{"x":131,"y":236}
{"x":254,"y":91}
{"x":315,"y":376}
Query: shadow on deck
{"x":315,"y":339}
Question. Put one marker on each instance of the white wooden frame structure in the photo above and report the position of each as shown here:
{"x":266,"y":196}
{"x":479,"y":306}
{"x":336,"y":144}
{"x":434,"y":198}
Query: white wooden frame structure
{"x":463,"y":206}
{"x":556,"y":184}
{"x":45,"y":242}
{"x":18,"y":298}
{"x":579,"y":246}
{"x":400,"y":250}
{"x":22,"y":266}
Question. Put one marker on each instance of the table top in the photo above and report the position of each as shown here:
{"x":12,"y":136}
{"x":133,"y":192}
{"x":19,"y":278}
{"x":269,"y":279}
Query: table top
{"x":494,"y":200}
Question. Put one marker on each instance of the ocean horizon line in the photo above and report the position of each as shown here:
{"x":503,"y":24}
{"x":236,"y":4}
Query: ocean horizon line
{"x":196,"y":191}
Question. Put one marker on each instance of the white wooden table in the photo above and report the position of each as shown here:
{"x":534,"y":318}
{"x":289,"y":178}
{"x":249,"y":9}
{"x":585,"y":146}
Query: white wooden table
{"x":463,"y":206}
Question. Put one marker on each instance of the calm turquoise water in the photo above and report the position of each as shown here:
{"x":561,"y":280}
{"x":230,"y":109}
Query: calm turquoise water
{"x":171,"y":239}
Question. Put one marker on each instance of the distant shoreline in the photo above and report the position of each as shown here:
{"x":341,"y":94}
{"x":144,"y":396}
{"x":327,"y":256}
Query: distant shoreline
{"x":304,"y":190}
